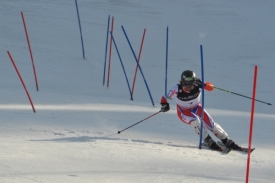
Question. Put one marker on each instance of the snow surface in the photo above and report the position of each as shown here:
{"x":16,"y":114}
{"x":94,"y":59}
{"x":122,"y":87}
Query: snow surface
{"x":73,"y":137}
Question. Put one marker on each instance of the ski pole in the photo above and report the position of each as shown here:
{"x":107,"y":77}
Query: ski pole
{"x":139,"y":122}
{"x":241,"y":95}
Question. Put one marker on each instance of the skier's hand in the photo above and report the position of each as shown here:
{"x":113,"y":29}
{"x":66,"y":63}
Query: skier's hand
{"x":165,"y":107}
{"x":197,"y":82}
{"x":208,"y":86}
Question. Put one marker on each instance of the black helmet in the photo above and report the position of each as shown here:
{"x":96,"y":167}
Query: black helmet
{"x":187,"y":78}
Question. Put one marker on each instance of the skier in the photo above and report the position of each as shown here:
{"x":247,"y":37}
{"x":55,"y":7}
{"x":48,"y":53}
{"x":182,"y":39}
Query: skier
{"x":187,"y":94}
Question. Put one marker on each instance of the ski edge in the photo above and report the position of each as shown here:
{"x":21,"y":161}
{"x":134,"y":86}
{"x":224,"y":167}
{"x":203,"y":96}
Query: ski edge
{"x":242,"y":149}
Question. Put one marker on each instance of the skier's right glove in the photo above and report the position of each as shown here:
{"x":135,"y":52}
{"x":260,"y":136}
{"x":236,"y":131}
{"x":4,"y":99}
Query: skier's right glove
{"x":197,"y":82}
{"x":165,"y":107}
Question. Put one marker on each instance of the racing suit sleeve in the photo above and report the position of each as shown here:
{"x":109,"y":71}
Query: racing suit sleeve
{"x":170,"y":95}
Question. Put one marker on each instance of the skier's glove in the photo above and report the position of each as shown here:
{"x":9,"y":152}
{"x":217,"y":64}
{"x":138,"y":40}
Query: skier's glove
{"x":208,"y":86}
{"x":165,"y":107}
{"x":197,"y":82}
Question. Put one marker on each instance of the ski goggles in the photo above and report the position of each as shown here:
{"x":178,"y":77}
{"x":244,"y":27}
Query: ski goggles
{"x":187,"y":82}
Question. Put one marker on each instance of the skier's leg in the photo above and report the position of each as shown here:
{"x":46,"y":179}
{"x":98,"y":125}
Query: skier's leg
{"x":222,"y":135}
{"x":209,"y":123}
{"x":205,"y":136}
{"x":217,"y":130}
{"x":185,"y":115}
{"x":189,"y":118}
{"x":196,"y":124}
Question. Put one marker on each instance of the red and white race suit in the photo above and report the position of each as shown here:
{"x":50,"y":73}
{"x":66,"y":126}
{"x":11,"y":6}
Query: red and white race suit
{"x":189,"y":110}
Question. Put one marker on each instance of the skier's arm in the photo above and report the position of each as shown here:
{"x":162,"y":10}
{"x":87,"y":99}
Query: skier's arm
{"x":171,"y":94}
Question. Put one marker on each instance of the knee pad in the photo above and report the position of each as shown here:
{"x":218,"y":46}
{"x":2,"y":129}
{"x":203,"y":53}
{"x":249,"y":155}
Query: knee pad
{"x":197,"y":126}
{"x":219,"y":132}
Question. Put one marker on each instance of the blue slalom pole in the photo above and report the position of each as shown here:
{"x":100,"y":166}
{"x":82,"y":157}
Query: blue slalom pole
{"x":202,"y":86}
{"x":166,"y":61}
{"x":80,"y":30}
{"x":106,"y":48}
{"x":121,"y":63}
{"x":138,"y":66}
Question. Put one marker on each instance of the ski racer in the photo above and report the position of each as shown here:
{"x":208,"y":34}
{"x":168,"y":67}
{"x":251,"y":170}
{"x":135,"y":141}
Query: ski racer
{"x":189,"y":110}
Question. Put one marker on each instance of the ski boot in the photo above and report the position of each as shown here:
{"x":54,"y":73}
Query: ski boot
{"x":230,"y":144}
{"x":211,"y":143}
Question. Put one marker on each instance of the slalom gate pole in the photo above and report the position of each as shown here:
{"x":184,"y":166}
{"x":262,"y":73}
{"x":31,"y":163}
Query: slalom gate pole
{"x":141,"y":45}
{"x":83,"y":52}
{"x":110,"y":54}
{"x":121,"y":64}
{"x":106,"y":48}
{"x":166,"y":65}
{"x":202,"y":113}
{"x":29,"y":45}
{"x":241,"y":95}
{"x":21,"y":81}
{"x":251,"y":123}
{"x":139,"y":122}
{"x":138,"y":66}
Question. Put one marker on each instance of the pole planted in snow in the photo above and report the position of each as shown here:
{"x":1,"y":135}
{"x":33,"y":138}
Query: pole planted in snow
{"x":110,"y":54}
{"x":138,"y":66}
{"x":106,"y":49}
{"x":166,"y":65}
{"x":29,"y":45}
{"x":83,"y":52}
{"x":251,"y":124}
{"x":21,"y":81}
{"x":131,"y":95}
{"x":140,"y":50}
{"x":202,"y":78}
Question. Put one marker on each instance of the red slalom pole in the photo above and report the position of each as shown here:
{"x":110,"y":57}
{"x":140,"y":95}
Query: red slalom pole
{"x":25,"y":27}
{"x":251,"y":123}
{"x":141,"y":45}
{"x":110,"y":53}
{"x":21,"y":81}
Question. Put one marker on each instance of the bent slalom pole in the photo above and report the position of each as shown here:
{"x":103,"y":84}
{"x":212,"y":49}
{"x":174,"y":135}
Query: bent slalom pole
{"x":138,"y":66}
{"x":24,"y":86}
{"x":139,"y":122}
{"x":131,"y":95}
{"x":241,"y":95}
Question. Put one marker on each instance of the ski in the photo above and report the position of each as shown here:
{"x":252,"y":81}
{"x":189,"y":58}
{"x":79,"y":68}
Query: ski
{"x":245,"y":149}
{"x":225,"y":150}
{"x":222,"y":149}
{"x":242,"y":149}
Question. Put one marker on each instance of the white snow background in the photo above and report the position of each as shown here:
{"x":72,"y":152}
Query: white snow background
{"x":73,"y":137}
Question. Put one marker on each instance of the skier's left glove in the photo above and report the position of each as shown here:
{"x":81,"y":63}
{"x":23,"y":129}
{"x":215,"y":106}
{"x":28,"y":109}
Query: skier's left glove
{"x":165,"y":107}
{"x":208,"y":86}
